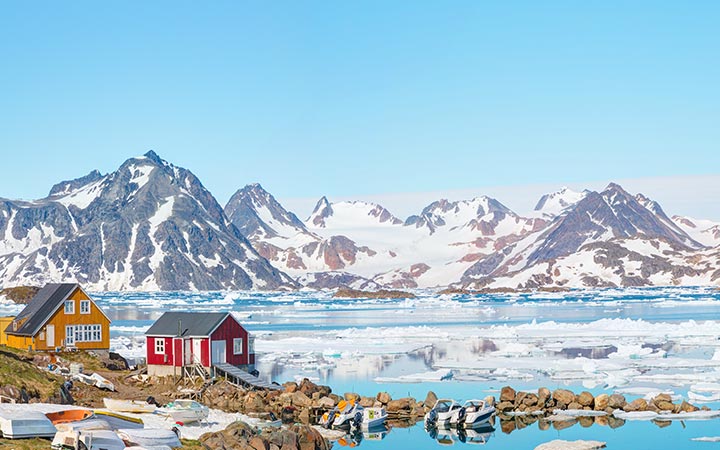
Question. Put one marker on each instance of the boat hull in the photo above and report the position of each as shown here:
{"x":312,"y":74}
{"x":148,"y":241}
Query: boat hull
{"x":30,"y":425}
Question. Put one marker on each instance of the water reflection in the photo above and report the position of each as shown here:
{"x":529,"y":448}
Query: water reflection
{"x":478,"y":435}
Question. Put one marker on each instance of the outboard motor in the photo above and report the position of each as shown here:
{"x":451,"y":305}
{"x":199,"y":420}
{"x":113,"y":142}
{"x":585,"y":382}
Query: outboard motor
{"x":431,"y":418}
{"x":151,"y":400}
{"x":461,"y":417}
{"x":330,"y":418}
{"x":357,"y":420}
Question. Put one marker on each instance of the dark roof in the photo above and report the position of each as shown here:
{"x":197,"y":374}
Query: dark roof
{"x":42,"y":307}
{"x":192,"y":323}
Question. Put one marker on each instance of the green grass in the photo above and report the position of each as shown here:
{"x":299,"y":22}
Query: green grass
{"x":17,"y":371}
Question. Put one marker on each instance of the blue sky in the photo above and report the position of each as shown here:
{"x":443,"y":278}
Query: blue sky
{"x":345,"y":98}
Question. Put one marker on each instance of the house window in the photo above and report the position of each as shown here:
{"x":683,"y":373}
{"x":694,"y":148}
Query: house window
{"x":69,"y":306}
{"x":238,"y":346}
{"x":96,"y":333}
{"x":159,"y":346}
{"x":69,"y":335}
{"x":84,"y":306}
{"x":251,"y":345}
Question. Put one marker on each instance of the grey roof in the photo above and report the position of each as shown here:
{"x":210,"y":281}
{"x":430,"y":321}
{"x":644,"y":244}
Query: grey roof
{"x":192,"y":323}
{"x":41,"y":307}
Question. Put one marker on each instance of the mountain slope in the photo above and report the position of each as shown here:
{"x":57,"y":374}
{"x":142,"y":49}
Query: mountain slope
{"x":147,"y":226}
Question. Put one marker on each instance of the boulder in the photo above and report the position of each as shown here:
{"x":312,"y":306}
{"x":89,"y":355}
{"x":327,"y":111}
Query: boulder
{"x":663,"y":405}
{"x":490,"y":400}
{"x":290,"y":386}
{"x":639,"y":404}
{"x":662,"y":398}
{"x":300,"y":400}
{"x":505,"y":406}
{"x":687,"y":407}
{"x":326,"y":402}
{"x":351,"y":396}
{"x":519,"y":397}
{"x":575,"y":406}
{"x":563,"y":396}
{"x":309,"y":438}
{"x":507,"y":394}
{"x":617,"y":401}
{"x":367,"y":402}
{"x":585,"y":398}
{"x":530,"y":400}
{"x":601,"y":402}
{"x":401,"y":404}
{"x":430,"y":400}
{"x":257,"y":443}
{"x":543,"y":396}
{"x":384,"y":398}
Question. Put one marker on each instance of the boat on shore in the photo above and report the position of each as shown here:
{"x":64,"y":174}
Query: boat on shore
{"x":30,"y":424}
{"x":129,"y":406}
{"x":69,"y":415}
{"x":119,"y":421}
{"x":87,"y":440}
{"x":185,"y":411}
{"x":151,"y":437}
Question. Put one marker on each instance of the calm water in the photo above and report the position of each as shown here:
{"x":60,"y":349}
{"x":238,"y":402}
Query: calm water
{"x":305,"y":335}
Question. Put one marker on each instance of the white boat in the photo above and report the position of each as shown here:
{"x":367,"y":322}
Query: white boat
{"x":129,"y":406}
{"x":443,"y":413}
{"x":29,"y":424}
{"x":118,"y":421}
{"x":151,"y":437}
{"x":185,"y":411}
{"x":87,"y":439}
{"x":373,"y":418}
{"x":87,"y":424}
{"x":472,"y":413}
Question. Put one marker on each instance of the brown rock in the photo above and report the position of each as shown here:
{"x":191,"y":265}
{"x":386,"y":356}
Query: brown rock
{"x":601,"y":402}
{"x":586,"y":399}
{"x":351,"y":396}
{"x":617,"y":401}
{"x":430,"y":400}
{"x":530,"y":400}
{"x":257,"y":443}
{"x":300,"y":400}
{"x":563,"y":396}
{"x":687,"y":407}
{"x":586,"y":422}
{"x":519,"y":397}
{"x":290,"y":386}
{"x":601,"y":420}
{"x":543,"y":396}
{"x":507,"y":394}
{"x":662,"y":405}
{"x":384,"y":398}
{"x":662,"y":423}
{"x":505,"y":406}
{"x":639,"y":404}
{"x":326,"y":402}
{"x":401,"y":404}
{"x":575,"y":405}
{"x":366,"y":402}
{"x":507,"y":426}
{"x":490,"y":400}
{"x":662,"y":398}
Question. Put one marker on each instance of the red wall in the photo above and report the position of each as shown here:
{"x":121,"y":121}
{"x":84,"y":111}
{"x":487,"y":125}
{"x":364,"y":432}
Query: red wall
{"x":153,"y":358}
{"x":227,"y":331}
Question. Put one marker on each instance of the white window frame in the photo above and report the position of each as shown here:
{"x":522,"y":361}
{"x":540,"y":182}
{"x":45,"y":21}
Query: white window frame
{"x":83,"y":304}
{"x":69,"y":335}
{"x":96,"y":333}
{"x":159,"y":346}
{"x":71,"y":309}
{"x":235,"y":345}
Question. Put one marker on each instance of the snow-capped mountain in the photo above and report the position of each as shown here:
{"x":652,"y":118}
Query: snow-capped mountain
{"x":351,"y":214}
{"x":705,"y":232}
{"x":556,"y":203}
{"x":147,"y":226}
{"x":595,"y":242}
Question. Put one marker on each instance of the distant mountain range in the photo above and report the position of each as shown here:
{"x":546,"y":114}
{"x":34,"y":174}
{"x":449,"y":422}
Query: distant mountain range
{"x":153,"y":226}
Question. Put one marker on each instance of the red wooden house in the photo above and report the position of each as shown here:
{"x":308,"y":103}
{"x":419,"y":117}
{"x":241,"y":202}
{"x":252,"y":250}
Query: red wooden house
{"x":180,"y":341}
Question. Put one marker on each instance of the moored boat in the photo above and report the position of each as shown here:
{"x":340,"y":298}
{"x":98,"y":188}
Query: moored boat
{"x":129,"y":406}
{"x":185,"y":411}
{"x":472,"y":413}
{"x":29,"y":424}
{"x":443,"y":413}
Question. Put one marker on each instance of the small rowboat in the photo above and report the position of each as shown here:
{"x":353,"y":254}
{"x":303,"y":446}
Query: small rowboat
{"x":29,"y":424}
{"x":128,"y":406}
{"x":185,"y":411}
{"x":118,"y":421}
{"x":69,"y":415}
{"x":151,"y":437}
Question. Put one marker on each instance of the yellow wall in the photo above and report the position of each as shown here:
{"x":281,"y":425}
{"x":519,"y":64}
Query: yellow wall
{"x":60,"y":320}
{"x":4,"y":323}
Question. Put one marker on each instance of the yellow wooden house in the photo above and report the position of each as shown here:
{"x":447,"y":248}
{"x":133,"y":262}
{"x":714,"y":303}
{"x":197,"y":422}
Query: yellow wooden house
{"x":60,"y":317}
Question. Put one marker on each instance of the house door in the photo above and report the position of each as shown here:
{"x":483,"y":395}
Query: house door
{"x":197,"y":351}
{"x":218,"y":352}
{"x":187,"y":353}
{"x":50,"y":336}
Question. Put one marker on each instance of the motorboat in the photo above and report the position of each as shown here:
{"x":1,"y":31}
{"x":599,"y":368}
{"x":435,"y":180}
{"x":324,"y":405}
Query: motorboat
{"x":69,"y":415}
{"x":373,"y":418}
{"x":444,"y":413}
{"x":185,"y":411}
{"x":473,"y":412}
{"x":87,"y":440}
{"x":129,"y":406}
{"x":344,"y":408}
{"x":29,"y":424}
{"x":119,"y":421}
{"x":151,"y":437}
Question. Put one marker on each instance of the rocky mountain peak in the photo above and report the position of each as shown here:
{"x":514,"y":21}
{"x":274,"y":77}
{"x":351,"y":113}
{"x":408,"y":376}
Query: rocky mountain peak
{"x":66,"y":187}
{"x":154,"y":157}
{"x":257,"y":214}
{"x":323,"y":209}
{"x":555,"y":203}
